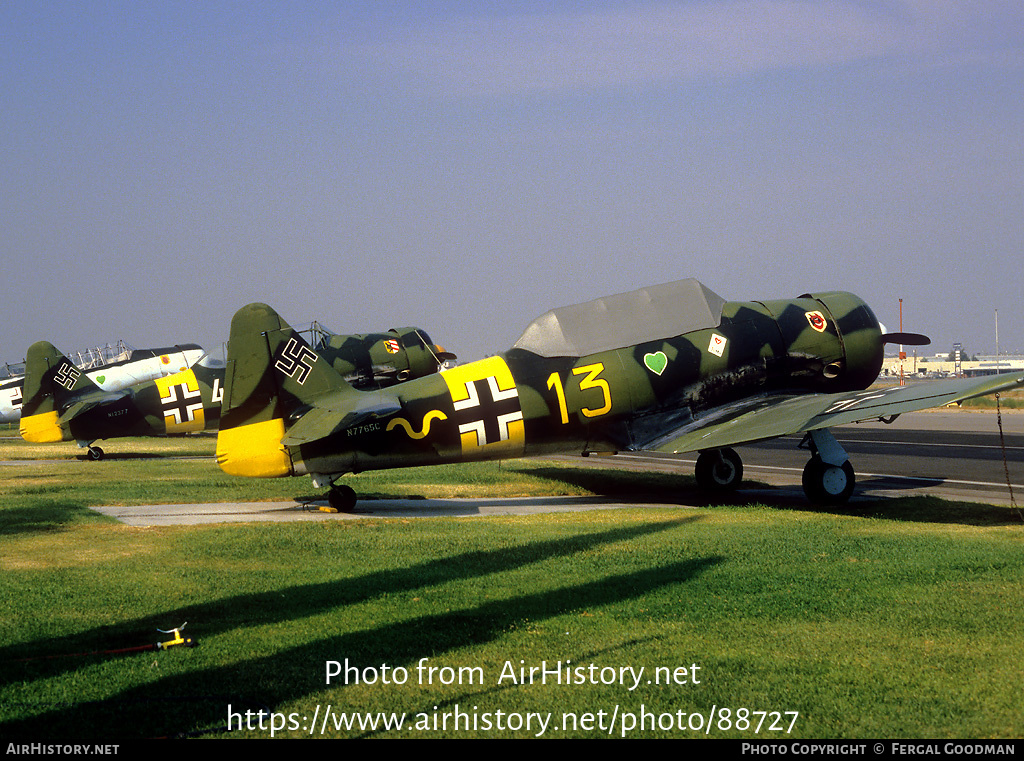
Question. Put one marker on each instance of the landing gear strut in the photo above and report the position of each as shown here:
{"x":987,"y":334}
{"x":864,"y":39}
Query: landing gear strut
{"x":719,"y":470}
{"x":828,"y":476}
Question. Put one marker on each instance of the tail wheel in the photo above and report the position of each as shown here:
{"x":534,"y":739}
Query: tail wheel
{"x":826,"y":484}
{"x":342,"y":498}
{"x":719,"y":469}
{"x":95,"y":453}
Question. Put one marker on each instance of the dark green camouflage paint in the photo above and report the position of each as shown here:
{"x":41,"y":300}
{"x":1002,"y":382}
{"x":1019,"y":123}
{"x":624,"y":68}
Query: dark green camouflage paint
{"x":620,"y":399}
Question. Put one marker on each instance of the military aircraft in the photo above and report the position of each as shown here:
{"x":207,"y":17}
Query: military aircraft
{"x":380,"y":360}
{"x":63,"y":404}
{"x":111,"y":369}
{"x":670,"y":368}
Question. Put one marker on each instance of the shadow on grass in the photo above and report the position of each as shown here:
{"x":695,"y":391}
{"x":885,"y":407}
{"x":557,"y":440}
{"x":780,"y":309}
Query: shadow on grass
{"x":197,"y":701}
{"x":118,"y":456}
{"x":648,"y":487}
{"x":665,"y":487}
{"x":931,"y":510}
{"x":43,"y":517}
{"x":14,"y":448}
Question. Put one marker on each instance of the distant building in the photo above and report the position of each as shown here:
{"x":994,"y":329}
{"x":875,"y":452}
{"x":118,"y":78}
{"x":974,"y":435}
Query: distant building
{"x":939,"y":366}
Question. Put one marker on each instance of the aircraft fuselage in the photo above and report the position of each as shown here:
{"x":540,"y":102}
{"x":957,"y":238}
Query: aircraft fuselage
{"x":143,"y":365}
{"x":524,"y":403}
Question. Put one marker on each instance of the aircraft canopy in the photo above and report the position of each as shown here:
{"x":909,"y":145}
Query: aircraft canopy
{"x":626,"y":319}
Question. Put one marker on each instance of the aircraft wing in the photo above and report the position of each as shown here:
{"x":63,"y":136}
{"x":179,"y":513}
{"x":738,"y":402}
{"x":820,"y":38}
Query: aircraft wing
{"x":780,"y":415}
{"x":335,"y":412}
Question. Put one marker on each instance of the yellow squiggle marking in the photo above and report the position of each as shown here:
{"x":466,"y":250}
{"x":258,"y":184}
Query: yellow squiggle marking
{"x":427,"y":419}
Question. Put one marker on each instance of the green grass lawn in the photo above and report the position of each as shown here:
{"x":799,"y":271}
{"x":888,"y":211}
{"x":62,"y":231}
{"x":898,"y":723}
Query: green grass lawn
{"x":898,"y":618}
{"x":1008,"y":400}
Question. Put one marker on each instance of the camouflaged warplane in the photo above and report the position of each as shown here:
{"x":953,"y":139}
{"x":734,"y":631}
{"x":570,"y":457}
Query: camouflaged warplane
{"x":63,"y":404}
{"x":112,"y":369}
{"x":671,"y":368}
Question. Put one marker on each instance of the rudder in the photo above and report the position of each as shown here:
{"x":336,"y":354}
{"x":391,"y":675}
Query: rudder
{"x":271,"y":374}
{"x":51,"y":383}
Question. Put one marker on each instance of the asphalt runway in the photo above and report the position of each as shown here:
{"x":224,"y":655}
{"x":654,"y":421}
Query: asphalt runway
{"x":953,"y":455}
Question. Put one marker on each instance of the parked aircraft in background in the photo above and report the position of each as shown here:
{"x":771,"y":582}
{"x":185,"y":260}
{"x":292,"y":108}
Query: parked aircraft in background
{"x":63,"y":404}
{"x":110,"y":369}
{"x":670,"y":368}
{"x":379,"y":360}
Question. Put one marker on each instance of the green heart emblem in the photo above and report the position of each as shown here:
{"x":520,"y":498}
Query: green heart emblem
{"x":656,"y":362}
{"x":100,"y":378}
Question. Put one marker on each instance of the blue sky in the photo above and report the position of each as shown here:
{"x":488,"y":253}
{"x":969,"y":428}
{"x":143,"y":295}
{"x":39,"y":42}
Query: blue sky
{"x":466,"y":166}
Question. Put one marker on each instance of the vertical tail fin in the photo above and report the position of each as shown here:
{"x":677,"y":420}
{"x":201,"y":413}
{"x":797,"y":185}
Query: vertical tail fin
{"x":272,"y":374}
{"x":51,"y":383}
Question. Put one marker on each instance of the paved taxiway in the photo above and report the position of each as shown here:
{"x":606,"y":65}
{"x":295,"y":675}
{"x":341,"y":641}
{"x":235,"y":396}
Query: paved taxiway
{"x":954,"y":455}
{"x":950,"y":454}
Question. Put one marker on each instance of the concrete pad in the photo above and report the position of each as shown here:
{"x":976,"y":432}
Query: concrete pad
{"x":246,"y":512}
{"x":776,"y":484}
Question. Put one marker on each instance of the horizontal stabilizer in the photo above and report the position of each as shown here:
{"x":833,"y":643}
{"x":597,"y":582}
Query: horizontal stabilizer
{"x":337,"y":412}
{"x":89,"y":402}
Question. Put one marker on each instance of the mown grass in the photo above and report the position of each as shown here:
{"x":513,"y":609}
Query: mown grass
{"x":899,"y":618}
{"x":1008,"y":400}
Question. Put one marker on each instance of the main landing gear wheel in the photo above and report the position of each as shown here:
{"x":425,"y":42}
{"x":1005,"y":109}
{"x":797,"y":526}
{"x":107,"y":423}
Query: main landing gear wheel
{"x":342,"y":498}
{"x":719,"y":469}
{"x":95,"y":453}
{"x":826,"y":484}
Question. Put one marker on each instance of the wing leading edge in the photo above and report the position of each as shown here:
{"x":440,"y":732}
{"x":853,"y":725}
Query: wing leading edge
{"x":780,"y":415}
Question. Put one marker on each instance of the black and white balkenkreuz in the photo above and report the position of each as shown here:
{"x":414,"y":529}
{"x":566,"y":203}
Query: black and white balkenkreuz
{"x":181,"y":403}
{"x":488,"y":410}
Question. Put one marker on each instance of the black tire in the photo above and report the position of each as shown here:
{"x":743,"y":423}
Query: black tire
{"x":342,"y":498}
{"x":719,"y":470}
{"x":826,"y":484}
{"x":95,"y":454}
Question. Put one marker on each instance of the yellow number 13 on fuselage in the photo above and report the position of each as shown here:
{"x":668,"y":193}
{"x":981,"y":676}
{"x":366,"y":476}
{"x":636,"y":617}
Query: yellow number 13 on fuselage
{"x":590,"y":381}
